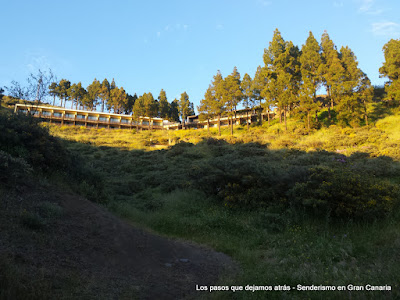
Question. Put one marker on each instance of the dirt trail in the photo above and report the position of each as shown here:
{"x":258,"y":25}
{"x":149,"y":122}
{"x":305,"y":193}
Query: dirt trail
{"x":87,"y":253}
{"x":115,"y":252}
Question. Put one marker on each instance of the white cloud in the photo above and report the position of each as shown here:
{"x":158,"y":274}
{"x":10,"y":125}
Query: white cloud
{"x":158,"y":34}
{"x":386,"y":29}
{"x":368,"y":7}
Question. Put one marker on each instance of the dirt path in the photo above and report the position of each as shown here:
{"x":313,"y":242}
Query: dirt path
{"x":109,"y":258}
{"x":156,"y":266}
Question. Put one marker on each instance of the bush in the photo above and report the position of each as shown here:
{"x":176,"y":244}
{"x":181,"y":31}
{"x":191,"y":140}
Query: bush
{"x":343,"y":194}
{"x":32,"y":220}
{"x":20,"y":136}
{"x":25,"y":147}
{"x":12,"y":168}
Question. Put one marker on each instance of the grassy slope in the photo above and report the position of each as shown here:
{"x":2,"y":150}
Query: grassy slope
{"x":152,"y":189}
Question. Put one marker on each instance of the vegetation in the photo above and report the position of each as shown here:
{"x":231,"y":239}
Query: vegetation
{"x":390,"y":69}
{"x":322,"y":206}
{"x":26,"y":148}
{"x":311,"y":197}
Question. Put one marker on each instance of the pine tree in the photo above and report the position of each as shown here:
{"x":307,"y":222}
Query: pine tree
{"x":104,"y":93}
{"x":391,"y":69}
{"x":282,"y":68}
{"x":291,"y":78}
{"x":217,"y":104}
{"x":232,"y":94}
{"x":248,"y":96}
{"x":330,"y":70}
{"x":308,"y":99}
{"x":76,"y":92}
{"x":93,"y":94}
{"x":118,"y":99}
{"x":63,"y":87}
{"x":138,"y":111}
{"x":185,"y":107}
{"x":260,"y":87}
{"x":127,"y":106}
{"x":353,"y":82}
{"x":150,"y":107}
{"x":310,"y":60}
{"x":275,"y":62}
{"x":163,"y":105}
{"x":173,"y":115}
{"x":205,"y":107}
{"x":53,"y":91}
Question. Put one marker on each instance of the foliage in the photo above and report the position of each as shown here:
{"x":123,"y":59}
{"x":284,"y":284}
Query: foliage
{"x":185,"y":107}
{"x":342,"y":193}
{"x":390,"y":69}
{"x":242,"y":195}
{"x":26,"y":147}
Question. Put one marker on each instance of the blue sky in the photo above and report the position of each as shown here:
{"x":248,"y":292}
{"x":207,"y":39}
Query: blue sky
{"x":179,"y":45}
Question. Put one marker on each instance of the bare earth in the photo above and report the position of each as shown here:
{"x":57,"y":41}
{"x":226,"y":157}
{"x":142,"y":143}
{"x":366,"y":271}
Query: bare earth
{"x":89,"y":253}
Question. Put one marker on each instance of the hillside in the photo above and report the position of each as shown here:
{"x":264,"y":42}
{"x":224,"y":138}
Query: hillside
{"x":290,"y":207}
{"x":57,"y":244}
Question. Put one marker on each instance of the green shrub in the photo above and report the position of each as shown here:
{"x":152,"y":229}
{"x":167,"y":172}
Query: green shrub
{"x":343,"y":194}
{"x":20,"y":136}
{"x":32,"y":220}
{"x":50,"y":210}
{"x":12,"y":168}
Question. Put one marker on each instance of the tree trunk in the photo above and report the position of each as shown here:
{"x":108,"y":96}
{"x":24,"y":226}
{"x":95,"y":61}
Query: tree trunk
{"x":231,"y":125}
{"x":316,"y":115}
{"x":366,"y":115}
{"x":54,"y":101}
{"x":284,"y":116}
{"x":219,"y":124}
{"x":329,"y":95}
{"x":331,"y":105}
{"x":268,"y":115}
{"x":308,"y":120}
{"x":280,"y":115}
{"x":247,"y":119}
{"x":208,"y":125}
